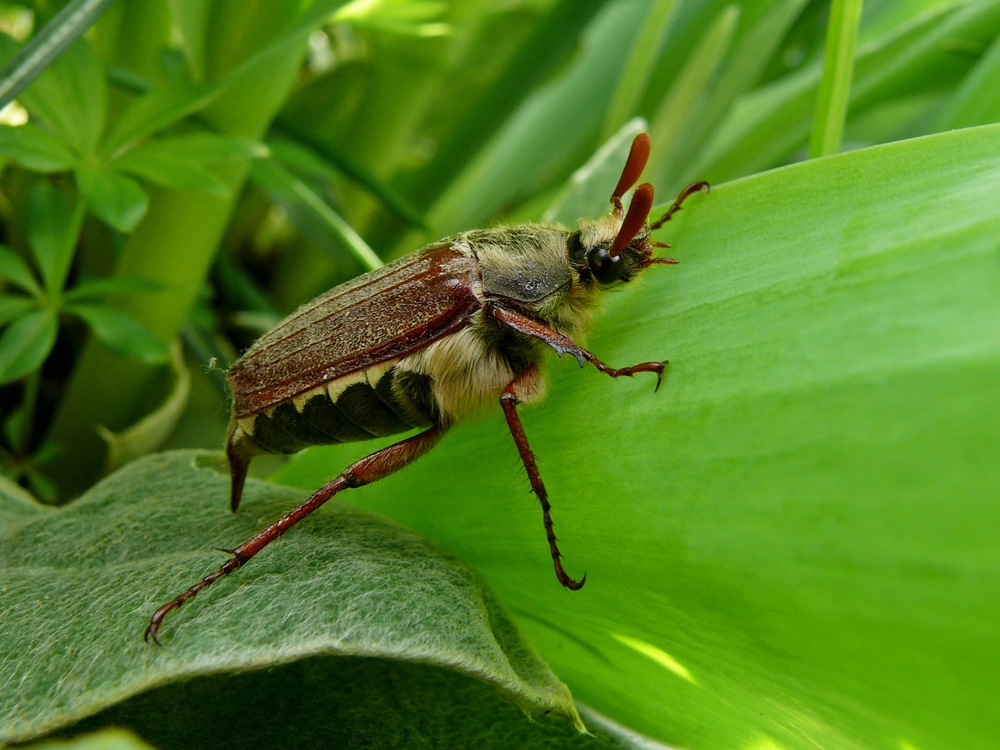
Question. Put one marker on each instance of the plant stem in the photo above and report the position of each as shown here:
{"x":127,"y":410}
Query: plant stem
{"x":28,"y":407}
{"x":178,"y":238}
{"x":835,"y":86}
{"x":64,"y":28}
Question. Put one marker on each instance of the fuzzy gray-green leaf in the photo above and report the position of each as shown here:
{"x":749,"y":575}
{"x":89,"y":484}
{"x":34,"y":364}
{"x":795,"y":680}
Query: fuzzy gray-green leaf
{"x":79,"y":587}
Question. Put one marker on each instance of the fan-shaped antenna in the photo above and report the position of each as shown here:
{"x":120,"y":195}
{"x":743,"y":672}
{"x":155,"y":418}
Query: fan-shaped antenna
{"x":638,"y":155}
{"x":635,"y":219}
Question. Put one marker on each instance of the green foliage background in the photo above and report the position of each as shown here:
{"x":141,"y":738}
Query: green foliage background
{"x":793,"y":544}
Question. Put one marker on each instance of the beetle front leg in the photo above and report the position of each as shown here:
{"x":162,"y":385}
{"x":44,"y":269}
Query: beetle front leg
{"x":565,"y":345}
{"x":508,"y":400}
{"x":369,"y":469}
{"x":694,"y":187}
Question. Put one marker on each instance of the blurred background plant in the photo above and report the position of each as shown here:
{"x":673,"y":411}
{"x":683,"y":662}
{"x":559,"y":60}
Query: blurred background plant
{"x":191,"y":175}
{"x":192,"y":170}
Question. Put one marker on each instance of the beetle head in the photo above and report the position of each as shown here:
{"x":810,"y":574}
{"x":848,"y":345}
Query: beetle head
{"x":618,"y":247}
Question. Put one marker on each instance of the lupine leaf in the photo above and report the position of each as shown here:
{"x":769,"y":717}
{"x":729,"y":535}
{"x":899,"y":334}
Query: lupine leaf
{"x":25,"y":344}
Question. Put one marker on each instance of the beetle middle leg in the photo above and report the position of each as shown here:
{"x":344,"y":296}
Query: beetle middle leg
{"x":369,"y":469}
{"x":565,"y":345}
{"x":509,"y":400}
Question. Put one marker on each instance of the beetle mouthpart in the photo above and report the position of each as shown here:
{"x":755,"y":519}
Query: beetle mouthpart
{"x":638,"y":155}
{"x":635,"y":219}
{"x":664,"y":261}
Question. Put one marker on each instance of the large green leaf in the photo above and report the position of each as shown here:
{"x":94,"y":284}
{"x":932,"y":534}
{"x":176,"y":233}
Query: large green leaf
{"x":79,"y":586}
{"x":793,"y":543}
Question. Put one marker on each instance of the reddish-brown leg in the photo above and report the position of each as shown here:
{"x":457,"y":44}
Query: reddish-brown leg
{"x":565,"y":345}
{"x":694,"y":187}
{"x":369,"y":469}
{"x":508,"y":400}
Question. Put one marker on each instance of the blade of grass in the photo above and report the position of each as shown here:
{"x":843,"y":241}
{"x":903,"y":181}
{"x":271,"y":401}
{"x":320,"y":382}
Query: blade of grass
{"x":744,"y":64}
{"x":47,"y":44}
{"x":687,"y":98}
{"x":340,"y":162}
{"x":552,"y":43}
{"x":976,"y":101}
{"x":281,"y":183}
{"x":768,"y":125}
{"x":638,"y":67}
{"x":835,"y":86}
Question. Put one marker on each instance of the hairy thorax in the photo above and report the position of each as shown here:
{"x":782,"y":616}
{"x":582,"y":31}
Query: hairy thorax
{"x":525,"y":268}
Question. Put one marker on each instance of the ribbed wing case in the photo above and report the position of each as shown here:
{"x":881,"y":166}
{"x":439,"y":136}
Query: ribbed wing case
{"x":377,"y":317}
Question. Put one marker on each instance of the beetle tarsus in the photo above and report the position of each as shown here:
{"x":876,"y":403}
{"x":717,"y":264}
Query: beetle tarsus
{"x":369,"y":469}
{"x":561,"y":344}
{"x":694,"y":187}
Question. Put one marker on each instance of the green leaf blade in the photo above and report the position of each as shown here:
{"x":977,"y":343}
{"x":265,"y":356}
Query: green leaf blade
{"x":121,"y":332}
{"x":99,"y":289}
{"x":156,"y":110}
{"x":34,"y":148}
{"x":14,"y":270}
{"x":182,"y":162}
{"x":638,"y":67}
{"x":70,"y":97}
{"x":13,"y":307}
{"x":114,"y":198}
{"x":53,"y":220}
{"x":975,"y":102}
{"x":285,"y":186}
{"x":26,"y":343}
{"x":835,"y":85}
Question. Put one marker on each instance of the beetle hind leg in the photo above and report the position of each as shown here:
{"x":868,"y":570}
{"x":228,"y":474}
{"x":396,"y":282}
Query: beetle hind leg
{"x":518,"y":390}
{"x":371,"y":468}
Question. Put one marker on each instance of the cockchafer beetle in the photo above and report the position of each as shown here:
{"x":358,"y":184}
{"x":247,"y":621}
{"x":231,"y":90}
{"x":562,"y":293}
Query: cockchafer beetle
{"x":427,"y":340}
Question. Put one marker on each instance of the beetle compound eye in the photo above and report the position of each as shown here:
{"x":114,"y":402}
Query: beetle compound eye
{"x":605,"y":268}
